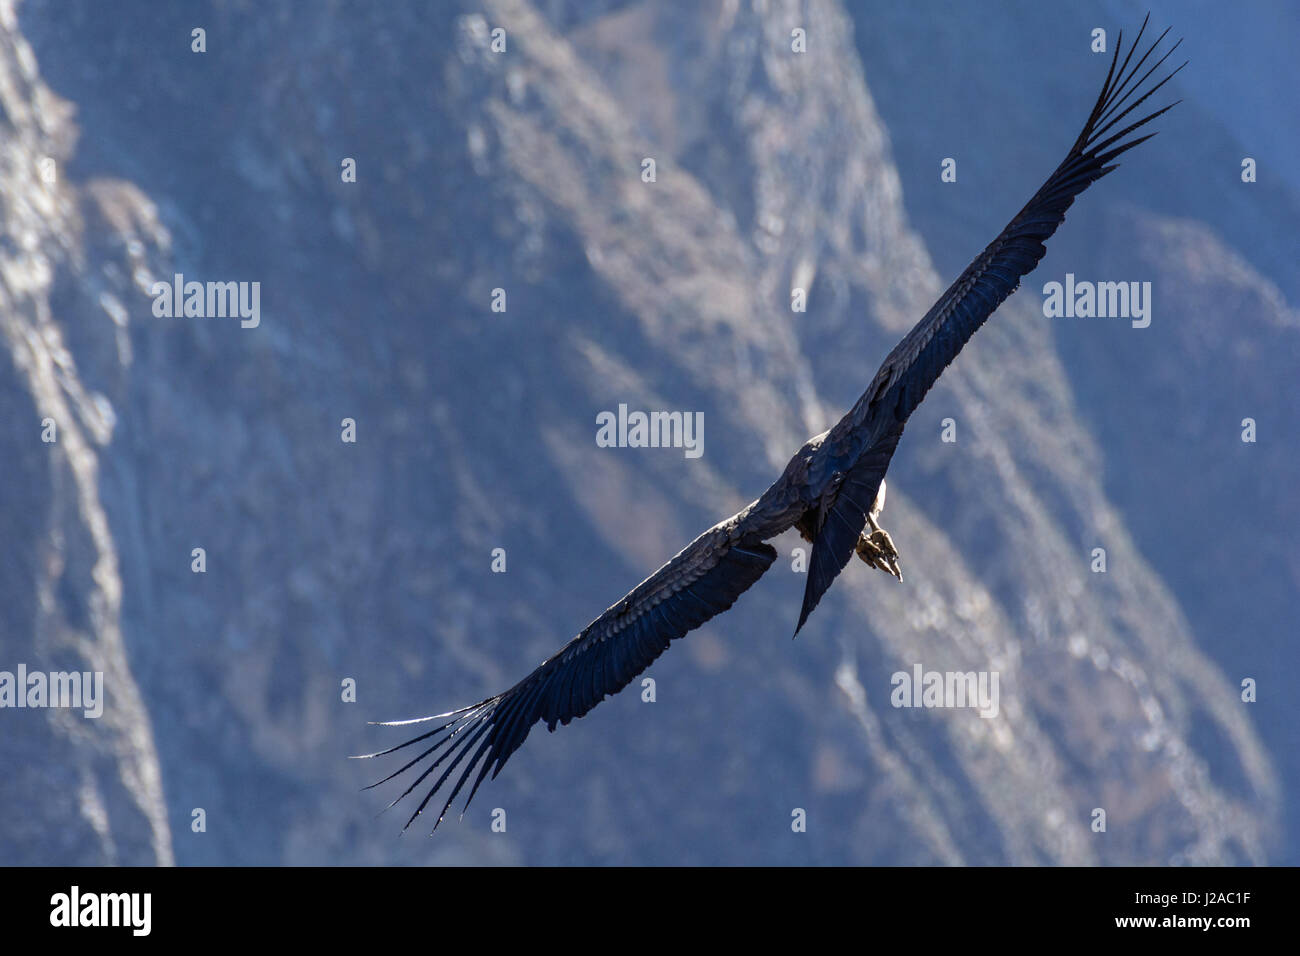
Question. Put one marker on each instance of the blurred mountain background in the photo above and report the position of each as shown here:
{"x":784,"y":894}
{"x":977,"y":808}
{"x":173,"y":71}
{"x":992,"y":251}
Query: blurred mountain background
{"x":329,"y":561}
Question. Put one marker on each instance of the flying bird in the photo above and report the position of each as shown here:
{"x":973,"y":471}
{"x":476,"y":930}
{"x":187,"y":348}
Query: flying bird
{"x":832,"y":491}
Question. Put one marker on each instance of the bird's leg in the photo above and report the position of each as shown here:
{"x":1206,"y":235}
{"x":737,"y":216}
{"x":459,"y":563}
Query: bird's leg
{"x":877,"y":549}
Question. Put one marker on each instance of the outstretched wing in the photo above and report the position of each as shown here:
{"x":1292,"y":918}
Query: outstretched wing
{"x":702,"y":581}
{"x":876,"y":422}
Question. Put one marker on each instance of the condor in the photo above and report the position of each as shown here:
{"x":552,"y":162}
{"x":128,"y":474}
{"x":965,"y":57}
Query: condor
{"x":832,"y":491}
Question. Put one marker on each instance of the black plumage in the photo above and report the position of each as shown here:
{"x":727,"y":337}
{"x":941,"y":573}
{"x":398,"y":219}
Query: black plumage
{"x":829,"y":490}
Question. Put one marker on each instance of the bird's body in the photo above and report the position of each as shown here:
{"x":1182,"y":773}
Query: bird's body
{"x":831,"y":490}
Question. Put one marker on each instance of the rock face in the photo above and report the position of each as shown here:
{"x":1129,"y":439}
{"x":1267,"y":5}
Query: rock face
{"x":371,"y":561}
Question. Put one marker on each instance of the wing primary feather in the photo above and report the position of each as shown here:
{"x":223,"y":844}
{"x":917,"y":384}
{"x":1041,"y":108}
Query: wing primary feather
{"x":459,"y":751}
{"x":1117,"y":98}
{"x":460,"y":782}
{"x":405,"y":767}
{"x":1123,"y":90}
{"x":464,"y":712}
{"x":514,"y":731}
